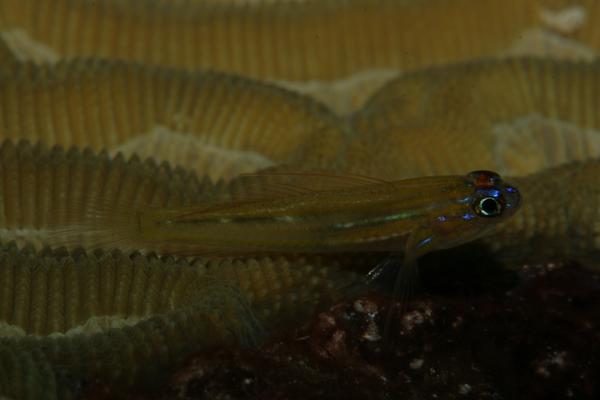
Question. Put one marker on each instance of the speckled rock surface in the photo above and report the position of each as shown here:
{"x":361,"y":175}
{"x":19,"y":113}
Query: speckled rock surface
{"x":529,"y":334}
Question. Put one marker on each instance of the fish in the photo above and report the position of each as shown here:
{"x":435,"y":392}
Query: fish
{"x":66,"y":198}
{"x":405,"y":219}
{"x":357,"y":214}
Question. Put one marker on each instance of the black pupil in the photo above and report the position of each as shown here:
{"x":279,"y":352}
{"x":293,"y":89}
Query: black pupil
{"x":489,"y":206}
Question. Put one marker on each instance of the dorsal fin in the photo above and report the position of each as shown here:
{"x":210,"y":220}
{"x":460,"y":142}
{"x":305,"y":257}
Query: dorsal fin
{"x":268,"y":184}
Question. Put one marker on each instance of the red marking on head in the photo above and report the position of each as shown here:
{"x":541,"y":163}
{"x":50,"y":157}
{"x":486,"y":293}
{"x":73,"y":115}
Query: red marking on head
{"x":485,"y":179}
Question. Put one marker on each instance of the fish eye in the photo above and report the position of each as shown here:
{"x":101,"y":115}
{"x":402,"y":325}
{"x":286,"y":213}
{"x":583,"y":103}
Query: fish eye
{"x":489,"y":207}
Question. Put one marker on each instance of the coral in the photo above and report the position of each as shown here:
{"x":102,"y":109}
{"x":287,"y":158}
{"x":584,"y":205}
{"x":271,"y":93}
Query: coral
{"x":515,"y":116}
{"x":536,"y":340}
{"x":122,"y":80}
{"x":206,"y":121}
{"x":28,"y":375}
{"x":313,"y":46}
{"x":568,"y":234}
{"x":48,"y":193}
{"x":79,"y":320}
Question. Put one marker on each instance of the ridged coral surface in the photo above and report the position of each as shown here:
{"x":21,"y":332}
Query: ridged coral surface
{"x":210,"y":122}
{"x":114,"y":109}
{"x":514,"y":116}
{"x":294,"y":40}
{"x":571,"y":234}
{"x":48,"y":191}
{"x":127,"y":319}
{"x":27,"y":375}
{"x":337,"y":50}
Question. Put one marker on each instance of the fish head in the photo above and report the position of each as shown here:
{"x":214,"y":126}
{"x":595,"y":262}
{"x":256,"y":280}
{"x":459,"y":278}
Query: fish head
{"x":475,"y":206}
{"x":493,"y":198}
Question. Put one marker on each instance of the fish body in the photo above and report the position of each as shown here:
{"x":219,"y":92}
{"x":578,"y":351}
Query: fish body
{"x":422,"y":213}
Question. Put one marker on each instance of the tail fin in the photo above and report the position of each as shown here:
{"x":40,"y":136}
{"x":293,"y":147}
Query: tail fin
{"x":100,"y":226}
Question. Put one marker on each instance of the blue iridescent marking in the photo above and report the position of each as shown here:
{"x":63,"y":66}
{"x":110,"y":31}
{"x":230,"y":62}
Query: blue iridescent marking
{"x":468,"y":216}
{"x":424,"y":241}
{"x":490,"y":192}
{"x":465,"y":200}
{"x":442,"y":218}
{"x":510,"y":189}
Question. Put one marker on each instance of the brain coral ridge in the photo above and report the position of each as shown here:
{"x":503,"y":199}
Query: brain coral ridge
{"x":208,"y":121}
{"x":127,"y":320}
{"x":514,"y":116}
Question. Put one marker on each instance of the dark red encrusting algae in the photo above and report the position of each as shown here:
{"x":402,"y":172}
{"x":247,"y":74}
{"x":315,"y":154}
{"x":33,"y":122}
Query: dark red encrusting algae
{"x":539,"y":339}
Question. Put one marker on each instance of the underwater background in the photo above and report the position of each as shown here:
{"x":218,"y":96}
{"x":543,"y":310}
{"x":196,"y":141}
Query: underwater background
{"x":291,"y":199}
